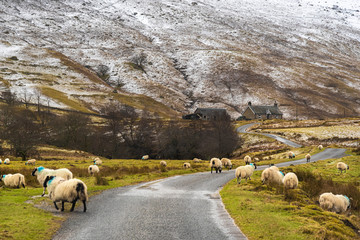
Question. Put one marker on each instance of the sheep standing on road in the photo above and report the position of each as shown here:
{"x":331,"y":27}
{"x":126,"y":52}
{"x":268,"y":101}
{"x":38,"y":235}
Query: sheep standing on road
{"x":30,"y":162}
{"x":226,"y":163}
{"x":342,"y":166}
{"x":13,"y":180}
{"x":7,"y":161}
{"x":163,"y":164}
{"x":308,"y":157}
{"x":291,"y":155}
{"x":216,"y":164}
{"x":334,"y":203}
{"x":92,"y":169}
{"x":244,"y":172}
{"x":186,"y":165}
{"x":51,"y":182}
{"x":247,"y":160}
{"x":290,"y":181}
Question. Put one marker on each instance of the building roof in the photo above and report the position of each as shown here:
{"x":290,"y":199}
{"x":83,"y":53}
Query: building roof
{"x":210,"y":110}
{"x":264,"y":110}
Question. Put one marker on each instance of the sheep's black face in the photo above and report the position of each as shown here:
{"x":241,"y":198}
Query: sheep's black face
{"x":33,"y":172}
{"x":213,"y":162}
{"x":347,"y":167}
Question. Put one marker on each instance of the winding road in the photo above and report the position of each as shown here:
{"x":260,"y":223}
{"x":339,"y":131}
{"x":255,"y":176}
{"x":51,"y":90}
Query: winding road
{"x":180,"y":207}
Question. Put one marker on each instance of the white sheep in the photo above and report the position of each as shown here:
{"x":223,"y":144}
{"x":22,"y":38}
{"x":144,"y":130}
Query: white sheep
{"x":93,"y":169}
{"x":272,"y":175}
{"x":256,"y":159}
{"x":244,"y":172}
{"x":247,"y":159}
{"x":334,"y":203}
{"x":163,"y":163}
{"x":197,"y":160}
{"x":30,"y":162}
{"x":13,"y":180}
{"x":217,"y":164}
{"x":290,"y":181}
{"x":0,"y":161}
{"x":7,"y":161}
{"x":51,"y":182}
{"x":97,"y":161}
{"x":226,"y":163}
{"x":145,"y":157}
{"x":186,"y":165}
{"x":70,"y":191}
{"x":42,"y":172}
{"x":320,"y":147}
{"x":291,"y":155}
{"x":308,"y":157}
{"x":342,"y":166}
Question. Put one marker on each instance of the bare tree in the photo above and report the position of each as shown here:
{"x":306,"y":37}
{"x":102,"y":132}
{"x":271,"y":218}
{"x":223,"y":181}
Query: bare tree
{"x":139,"y":60}
{"x":103,"y":72}
{"x":27,"y":99}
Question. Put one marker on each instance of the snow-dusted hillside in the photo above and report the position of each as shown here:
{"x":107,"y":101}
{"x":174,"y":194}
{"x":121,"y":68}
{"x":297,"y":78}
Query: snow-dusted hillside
{"x":209,"y":53}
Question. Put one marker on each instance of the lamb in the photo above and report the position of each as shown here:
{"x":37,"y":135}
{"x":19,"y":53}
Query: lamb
{"x":13,"y":180}
{"x":342,"y":166}
{"x":244,"y":172}
{"x":290,"y":181}
{"x":334,"y":203}
{"x":272,"y":175}
{"x":197,"y":160}
{"x":7,"y":161}
{"x":186,"y":165}
{"x":93,"y":169}
{"x":217,"y":164}
{"x":163,"y":164}
{"x":145,"y":157}
{"x":226,"y":163}
{"x":42,"y":172}
{"x":291,"y":155}
{"x":247,"y":159}
{"x":308,"y":157}
{"x":97,"y":161}
{"x":31,"y":161}
{"x":69,"y":191}
{"x":320,"y":147}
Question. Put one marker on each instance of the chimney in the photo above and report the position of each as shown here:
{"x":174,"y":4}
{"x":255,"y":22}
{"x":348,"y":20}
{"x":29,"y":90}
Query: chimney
{"x":249,"y":103}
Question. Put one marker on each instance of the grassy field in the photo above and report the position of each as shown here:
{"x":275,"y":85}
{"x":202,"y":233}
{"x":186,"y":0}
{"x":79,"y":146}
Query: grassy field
{"x":270,"y":212}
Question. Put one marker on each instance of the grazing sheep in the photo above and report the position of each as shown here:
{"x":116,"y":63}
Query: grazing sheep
{"x":93,"y":169}
{"x":247,"y":159}
{"x":290,"y":181}
{"x":0,"y":161}
{"x":334,"y":203}
{"x":51,"y":182}
{"x":217,"y":164}
{"x":291,"y":155}
{"x":342,"y":166}
{"x":186,"y":165}
{"x":256,"y":159}
{"x":320,"y":147}
{"x":13,"y":180}
{"x":145,"y":157}
{"x":163,"y":164}
{"x":70,"y":191}
{"x":226,"y":163}
{"x":197,"y":160}
{"x":7,"y":161}
{"x":244,"y":172}
{"x":266,"y":158}
{"x":42,"y":172}
{"x":308,"y":157}
{"x":97,"y":161}
{"x":272,"y":175}
{"x":30,"y":162}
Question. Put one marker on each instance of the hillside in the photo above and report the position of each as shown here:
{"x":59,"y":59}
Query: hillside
{"x":198,"y":53}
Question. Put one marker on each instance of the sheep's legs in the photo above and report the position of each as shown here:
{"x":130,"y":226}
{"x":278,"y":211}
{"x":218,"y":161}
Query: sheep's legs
{"x":73,"y":206}
{"x":62,"y":206}
{"x":43,"y":192}
{"x":84,"y":202}
{"x":56,"y":206}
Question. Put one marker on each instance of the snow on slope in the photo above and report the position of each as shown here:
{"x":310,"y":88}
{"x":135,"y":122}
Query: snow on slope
{"x":207,"y":53}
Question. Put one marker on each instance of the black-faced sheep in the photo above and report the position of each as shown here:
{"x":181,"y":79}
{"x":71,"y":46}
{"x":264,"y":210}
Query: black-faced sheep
{"x":244,"y":172}
{"x":320,"y":147}
{"x":30,"y":162}
{"x":51,"y":182}
{"x":145,"y":157}
{"x":272,"y":175}
{"x":247,"y":159}
{"x":342,"y":166}
{"x":290,"y":181}
{"x":93,"y":169}
{"x":334,"y":203}
{"x":308,"y":157}
{"x":186,"y":165}
{"x":216,"y":164}
{"x":69,"y":191}
{"x":291,"y":155}
{"x":13,"y":180}
{"x":226,"y":163}
{"x":163,"y":163}
{"x":41,"y":173}
{"x":7,"y":161}
{"x":97,"y":161}
{"x":0,"y":161}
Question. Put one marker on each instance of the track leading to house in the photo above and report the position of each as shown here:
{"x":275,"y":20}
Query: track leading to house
{"x":180,"y":207}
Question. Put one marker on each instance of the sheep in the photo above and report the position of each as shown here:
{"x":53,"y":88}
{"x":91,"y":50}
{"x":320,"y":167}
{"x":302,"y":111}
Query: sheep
{"x":0,"y":161}
{"x":308,"y":157}
{"x":320,"y":147}
{"x":342,"y":166}
{"x":42,"y":172}
{"x":51,"y":182}
{"x":13,"y":180}
{"x":217,"y":164}
{"x":7,"y":161}
{"x":334,"y":203}
{"x":244,"y":172}
{"x":247,"y":159}
{"x":290,"y":181}
{"x":93,"y":169}
{"x":197,"y":160}
{"x":186,"y":165}
{"x":145,"y":157}
{"x":272,"y":175}
{"x":31,"y":161}
{"x":163,"y":164}
{"x":291,"y":155}
{"x":97,"y":161}
{"x":69,"y":191}
{"x":256,"y":159}
{"x":226,"y":163}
